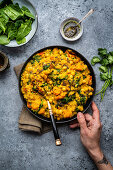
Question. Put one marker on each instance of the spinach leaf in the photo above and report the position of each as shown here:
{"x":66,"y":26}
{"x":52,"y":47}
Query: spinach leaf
{"x":103,"y":69}
{"x":0,"y":30}
{"x":45,"y":67}
{"x":24,"y":30}
{"x":41,"y":105}
{"x":4,"y":16}
{"x":4,"y":40}
{"x":2,"y":25}
{"x":66,"y":99}
{"x":13,"y":11}
{"x":18,"y":23}
{"x":37,"y":58}
{"x":5,"y":2}
{"x":95,"y":60}
{"x":12,"y":30}
{"x":83,"y":100}
{"x":102,"y":52}
{"x":3,"y":20}
{"x":21,"y":41}
{"x":27,"y":12}
{"x":110,"y":59}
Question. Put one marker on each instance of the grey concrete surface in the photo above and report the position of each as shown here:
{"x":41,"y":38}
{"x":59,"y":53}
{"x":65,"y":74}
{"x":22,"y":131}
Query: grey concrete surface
{"x":26,"y":151}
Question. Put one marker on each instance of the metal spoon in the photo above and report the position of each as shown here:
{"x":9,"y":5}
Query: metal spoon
{"x":55,"y":131}
{"x":72,"y":30}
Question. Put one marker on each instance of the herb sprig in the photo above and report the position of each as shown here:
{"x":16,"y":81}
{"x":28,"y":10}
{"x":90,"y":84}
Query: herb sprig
{"x":106,"y":60}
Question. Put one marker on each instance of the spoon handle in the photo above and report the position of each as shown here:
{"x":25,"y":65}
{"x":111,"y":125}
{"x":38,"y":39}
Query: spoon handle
{"x":89,"y":13}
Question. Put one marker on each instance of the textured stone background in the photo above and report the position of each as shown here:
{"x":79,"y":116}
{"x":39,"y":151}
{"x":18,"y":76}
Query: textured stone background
{"x":20,"y":150}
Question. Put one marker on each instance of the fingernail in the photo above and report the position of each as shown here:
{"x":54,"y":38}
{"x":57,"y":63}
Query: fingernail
{"x":79,"y":114}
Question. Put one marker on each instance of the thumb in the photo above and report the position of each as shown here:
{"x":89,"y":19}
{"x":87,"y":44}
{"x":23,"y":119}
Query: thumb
{"x":81,"y":120}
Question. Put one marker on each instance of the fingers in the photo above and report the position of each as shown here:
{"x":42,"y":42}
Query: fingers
{"x":75,"y":125}
{"x":96,"y":114}
{"x":82,"y":121}
{"x":88,"y":117}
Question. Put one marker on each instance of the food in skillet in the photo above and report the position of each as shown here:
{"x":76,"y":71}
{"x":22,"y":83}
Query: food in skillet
{"x":57,"y":76}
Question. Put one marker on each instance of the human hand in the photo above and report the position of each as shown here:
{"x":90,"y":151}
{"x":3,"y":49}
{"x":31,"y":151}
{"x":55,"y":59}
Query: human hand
{"x":90,"y":131}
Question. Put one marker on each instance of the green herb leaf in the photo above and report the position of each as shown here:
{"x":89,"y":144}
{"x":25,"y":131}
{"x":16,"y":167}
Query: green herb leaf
{"x":111,"y":53}
{"x":3,"y":21}
{"x":21,"y":41}
{"x":83,"y":100}
{"x":110,"y":59}
{"x":5,"y":2}
{"x":95,"y":60}
{"x":27,"y":12}
{"x":24,"y":30}
{"x":12,"y":30}
{"x":13,"y":11}
{"x":104,"y":62}
{"x":4,"y":40}
{"x":45,"y":67}
{"x":102,"y":52}
{"x":4,"y":16}
{"x":0,"y":30}
{"x":103,"y":69}
{"x":104,"y":76}
{"x":37,"y":58}
{"x":18,"y":23}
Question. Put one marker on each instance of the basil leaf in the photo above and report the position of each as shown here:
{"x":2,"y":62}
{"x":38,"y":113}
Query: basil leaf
{"x":12,"y":30}
{"x":13,"y":11}
{"x":27,"y":12}
{"x":21,"y":41}
{"x":4,"y":40}
{"x":24,"y":30}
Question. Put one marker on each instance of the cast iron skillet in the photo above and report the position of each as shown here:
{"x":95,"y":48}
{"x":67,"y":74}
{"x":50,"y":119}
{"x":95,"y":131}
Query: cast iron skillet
{"x":63,"y":48}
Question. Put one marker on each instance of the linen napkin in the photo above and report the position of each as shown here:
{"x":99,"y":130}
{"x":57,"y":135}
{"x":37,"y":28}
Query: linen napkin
{"x":28,"y":122}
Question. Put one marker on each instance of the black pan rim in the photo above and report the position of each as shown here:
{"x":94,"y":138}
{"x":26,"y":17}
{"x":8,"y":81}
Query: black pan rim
{"x":62,"y":121}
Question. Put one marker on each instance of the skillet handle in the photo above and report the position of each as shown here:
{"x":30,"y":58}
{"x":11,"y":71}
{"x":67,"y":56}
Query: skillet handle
{"x":55,"y":131}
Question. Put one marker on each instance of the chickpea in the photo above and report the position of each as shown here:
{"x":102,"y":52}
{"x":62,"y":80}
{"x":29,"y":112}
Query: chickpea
{"x":50,"y":82}
{"x":50,"y":100}
{"x":60,"y":111}
{"x":73,"y":73}
{"x":71,"y":62}
{"x":71,"y":76}
{"x":64,"y":67}
{"x":64,"y":88}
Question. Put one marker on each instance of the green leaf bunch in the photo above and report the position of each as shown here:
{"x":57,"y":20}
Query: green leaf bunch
{"x":106,"y":60}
